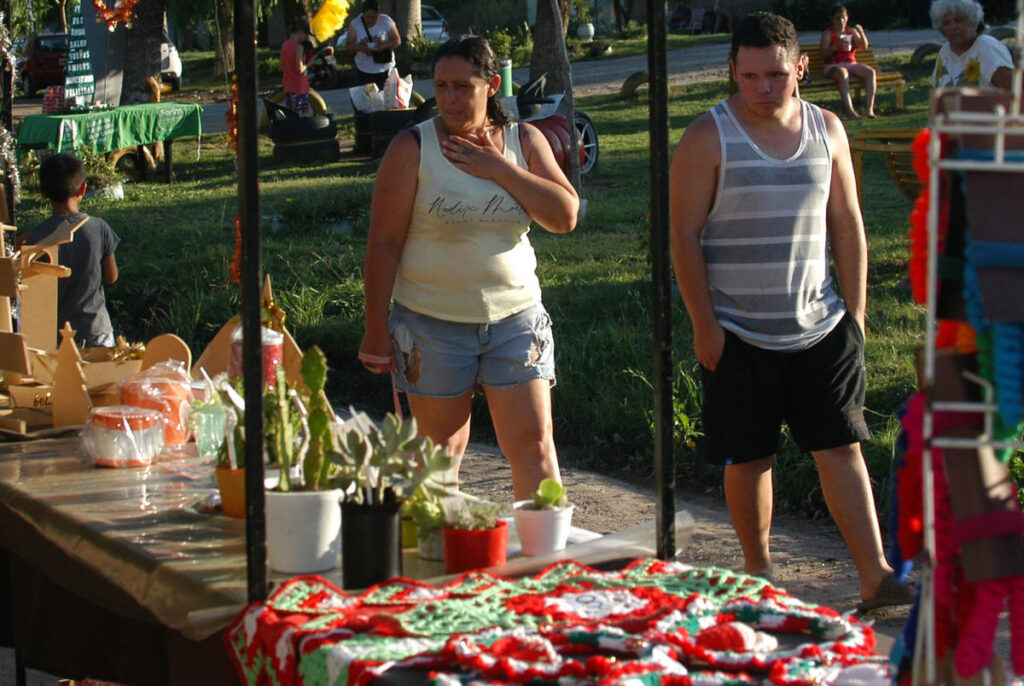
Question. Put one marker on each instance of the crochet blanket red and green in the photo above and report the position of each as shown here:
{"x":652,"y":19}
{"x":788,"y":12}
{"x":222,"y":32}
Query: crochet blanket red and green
{"x":654,"y":622}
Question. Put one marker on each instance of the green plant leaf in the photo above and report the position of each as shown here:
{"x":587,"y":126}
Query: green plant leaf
{"x":550,"y":493}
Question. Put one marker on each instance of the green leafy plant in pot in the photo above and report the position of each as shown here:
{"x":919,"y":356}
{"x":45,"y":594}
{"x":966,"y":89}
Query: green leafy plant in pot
{"x":473,"y":537}
{"x":378,"y":468}
{"x":303,"y":512}
{"x":543,"y":521}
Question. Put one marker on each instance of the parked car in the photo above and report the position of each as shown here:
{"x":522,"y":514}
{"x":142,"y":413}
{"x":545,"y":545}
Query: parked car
{"x":433,"y":26}
{"x":43,"y":63}
{"x":46,"y":55}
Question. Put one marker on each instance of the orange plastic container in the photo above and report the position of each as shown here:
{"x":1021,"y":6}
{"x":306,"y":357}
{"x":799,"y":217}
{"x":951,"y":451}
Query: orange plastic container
{"x":123,"y":436}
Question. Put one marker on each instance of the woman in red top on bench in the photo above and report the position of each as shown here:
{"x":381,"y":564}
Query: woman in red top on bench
{"x":839,"y":44}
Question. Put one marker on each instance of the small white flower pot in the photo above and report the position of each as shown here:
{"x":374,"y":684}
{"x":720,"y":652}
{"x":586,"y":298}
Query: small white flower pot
{"x":430,"y":545}
{"x":303,"y":530}
{"x":541,"y":532}
{"x":585,"y":32}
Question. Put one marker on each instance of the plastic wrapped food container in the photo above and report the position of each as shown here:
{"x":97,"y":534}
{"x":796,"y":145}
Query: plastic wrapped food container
{"x":123,"y":436}
{"x":164,"y":387}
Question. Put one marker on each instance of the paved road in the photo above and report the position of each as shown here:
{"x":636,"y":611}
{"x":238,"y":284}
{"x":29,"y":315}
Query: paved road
{"x":685,"y":65}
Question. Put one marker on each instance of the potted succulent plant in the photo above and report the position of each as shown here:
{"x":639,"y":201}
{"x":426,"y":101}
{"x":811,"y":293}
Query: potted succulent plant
{"x":303,"y":513}
{"x":543,"y":522}
{"x":473,"y":536}
{"x":378,"y":468}
{"x":425,"y":510}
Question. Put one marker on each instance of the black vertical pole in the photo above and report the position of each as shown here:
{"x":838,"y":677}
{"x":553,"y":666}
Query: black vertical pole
{"x":664,"y":463}
{"x":252,"y":345}
{"x":7,"y":109}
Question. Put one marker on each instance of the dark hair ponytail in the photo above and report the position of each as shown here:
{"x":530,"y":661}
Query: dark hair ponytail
{"x":477,"y":51}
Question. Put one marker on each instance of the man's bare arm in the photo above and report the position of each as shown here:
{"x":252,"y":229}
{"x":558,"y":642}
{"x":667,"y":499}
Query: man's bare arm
{"x":845,"y":226}
{"x":693,"y":182}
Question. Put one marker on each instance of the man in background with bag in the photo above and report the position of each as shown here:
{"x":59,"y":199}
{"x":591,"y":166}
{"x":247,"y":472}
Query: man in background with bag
{"x":372,"y":38}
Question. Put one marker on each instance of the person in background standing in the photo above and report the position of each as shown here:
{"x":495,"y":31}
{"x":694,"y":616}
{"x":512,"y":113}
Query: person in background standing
{"x":373,"y":38}
{"x":295,"y":81}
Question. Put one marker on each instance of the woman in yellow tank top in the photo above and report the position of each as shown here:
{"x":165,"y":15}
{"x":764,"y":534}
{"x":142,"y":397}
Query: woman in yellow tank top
{"x":451,"y":209}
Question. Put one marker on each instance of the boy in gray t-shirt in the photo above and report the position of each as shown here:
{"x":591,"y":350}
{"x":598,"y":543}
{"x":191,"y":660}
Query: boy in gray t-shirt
{"x":90,"y":255}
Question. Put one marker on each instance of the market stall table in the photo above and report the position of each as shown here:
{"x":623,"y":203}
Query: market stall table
{"x":104,"y":131}
{"x":130,"y":574}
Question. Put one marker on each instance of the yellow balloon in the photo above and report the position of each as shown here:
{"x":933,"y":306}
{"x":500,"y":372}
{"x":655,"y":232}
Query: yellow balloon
{"x":329,"y":19}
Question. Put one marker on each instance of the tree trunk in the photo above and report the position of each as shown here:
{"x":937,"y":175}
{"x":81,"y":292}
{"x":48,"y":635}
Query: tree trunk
{"x":406,"y":14}
{"x":549,"y":54}
{"x":61,"y":6}
{"x":224,"y":63}
{"x":142,"y":44}
{"x":550,"y":57}
{"x":295,"y":9}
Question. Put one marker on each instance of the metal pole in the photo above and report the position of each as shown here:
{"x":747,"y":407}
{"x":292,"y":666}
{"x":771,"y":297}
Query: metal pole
{"x":664,"y":462}
{"x":7,"y":110}
{"x":252,"y":344}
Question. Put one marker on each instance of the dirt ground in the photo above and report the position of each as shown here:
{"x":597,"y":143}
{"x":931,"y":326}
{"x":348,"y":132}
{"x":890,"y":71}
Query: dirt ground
{"x":811,"y":560}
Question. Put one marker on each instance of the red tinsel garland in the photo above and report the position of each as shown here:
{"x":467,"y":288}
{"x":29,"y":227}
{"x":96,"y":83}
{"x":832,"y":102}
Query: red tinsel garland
{"x":231,"y":115}
{"x":122,"y":13}
{"x":236,"y":258}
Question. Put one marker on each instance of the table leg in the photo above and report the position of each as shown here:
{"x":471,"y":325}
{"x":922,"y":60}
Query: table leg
{"x":7,"y":616}
{"x":169,"y":161}
{"x":140,"y":155}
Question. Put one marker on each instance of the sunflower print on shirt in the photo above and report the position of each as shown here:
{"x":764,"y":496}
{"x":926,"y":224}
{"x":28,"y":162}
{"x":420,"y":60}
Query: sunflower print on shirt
{"x":971,"y":75}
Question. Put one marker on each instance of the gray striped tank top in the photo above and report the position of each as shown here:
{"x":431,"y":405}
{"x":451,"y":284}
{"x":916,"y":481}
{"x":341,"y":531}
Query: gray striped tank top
{"x":765,"y":241}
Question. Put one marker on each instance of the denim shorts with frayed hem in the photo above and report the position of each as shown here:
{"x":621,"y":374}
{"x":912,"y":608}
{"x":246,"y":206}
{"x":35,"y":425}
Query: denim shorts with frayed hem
{"x":442,"y":359}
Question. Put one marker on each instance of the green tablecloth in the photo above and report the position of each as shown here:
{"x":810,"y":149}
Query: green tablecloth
{"x":114,"y":129}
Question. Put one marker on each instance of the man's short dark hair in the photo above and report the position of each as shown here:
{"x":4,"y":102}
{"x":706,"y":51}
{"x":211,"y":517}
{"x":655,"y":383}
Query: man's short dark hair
{"x":60,"y":176}
{"x":371,"y":5}
{"x":301,"y":24}
{"x":765,"y":30}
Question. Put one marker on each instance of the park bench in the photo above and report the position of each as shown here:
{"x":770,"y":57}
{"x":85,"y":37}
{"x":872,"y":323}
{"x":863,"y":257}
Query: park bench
{"x":899,"y":159}
{"x":820,"y":84}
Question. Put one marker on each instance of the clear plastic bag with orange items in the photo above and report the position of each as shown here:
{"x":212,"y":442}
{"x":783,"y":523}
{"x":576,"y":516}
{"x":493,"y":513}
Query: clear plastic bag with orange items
{"x":167,"y":388}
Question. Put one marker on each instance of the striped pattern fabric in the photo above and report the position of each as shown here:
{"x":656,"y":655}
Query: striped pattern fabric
{"x":765,"y":240}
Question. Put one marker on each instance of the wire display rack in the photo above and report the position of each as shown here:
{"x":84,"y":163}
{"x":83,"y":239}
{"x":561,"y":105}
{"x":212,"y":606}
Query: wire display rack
{"x":1004,"y":128}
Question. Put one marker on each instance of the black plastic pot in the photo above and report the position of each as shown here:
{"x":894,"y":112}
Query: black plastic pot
{"x":371,"y":542}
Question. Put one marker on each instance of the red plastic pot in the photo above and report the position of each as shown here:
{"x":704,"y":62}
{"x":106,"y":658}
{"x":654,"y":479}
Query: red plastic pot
{"x":465,"y":550}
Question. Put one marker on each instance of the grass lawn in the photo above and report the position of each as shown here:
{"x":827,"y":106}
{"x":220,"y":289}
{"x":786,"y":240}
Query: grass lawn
{"x":177,"y":242}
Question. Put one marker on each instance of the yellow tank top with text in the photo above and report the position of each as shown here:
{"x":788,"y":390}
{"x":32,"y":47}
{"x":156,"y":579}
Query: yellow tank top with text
{"x":466,"y":257}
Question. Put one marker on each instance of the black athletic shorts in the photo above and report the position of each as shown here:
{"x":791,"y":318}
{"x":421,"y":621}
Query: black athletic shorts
{"x":817,"y":392}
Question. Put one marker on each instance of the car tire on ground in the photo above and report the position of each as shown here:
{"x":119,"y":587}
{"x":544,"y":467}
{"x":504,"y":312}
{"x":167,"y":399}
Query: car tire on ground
{"x":317,"y":127}
{"x":924,"y":51}
{"x":175,"y":82}
{"x":315,"y":101}
{"x":589,"y":148}
{"x":27,"y":86}
{"x":630,"y":85}
{"x":308,"y":151}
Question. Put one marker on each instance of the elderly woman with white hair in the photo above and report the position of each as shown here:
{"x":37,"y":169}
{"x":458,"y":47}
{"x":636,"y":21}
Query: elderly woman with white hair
{"x":968,"y":58}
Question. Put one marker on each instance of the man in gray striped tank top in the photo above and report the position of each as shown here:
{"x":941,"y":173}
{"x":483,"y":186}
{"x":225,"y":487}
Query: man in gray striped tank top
{"x":763,"y":196}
